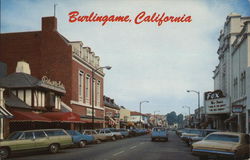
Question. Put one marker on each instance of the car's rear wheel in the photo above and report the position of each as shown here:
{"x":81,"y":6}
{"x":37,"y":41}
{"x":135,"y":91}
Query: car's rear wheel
{"x":152,"y":139}
{"x":98,"y":141}
{"x":54,"y":148}
{"x":82,"y":144}
{"x":4,"y":153}
{"x":113,"y":138}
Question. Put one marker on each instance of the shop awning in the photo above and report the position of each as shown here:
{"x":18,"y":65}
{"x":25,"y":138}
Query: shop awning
{"x":90,"y":121}
{"x":130,"y":124}
{"x":4,"y":113}
{"x":63,"y":117}
{"x":28,"y":116}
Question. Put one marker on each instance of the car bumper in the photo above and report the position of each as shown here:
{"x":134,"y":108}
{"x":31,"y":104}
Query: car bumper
{"x":185,"y":139}
{"x":212,"y":153}
{"x":159,"y":137}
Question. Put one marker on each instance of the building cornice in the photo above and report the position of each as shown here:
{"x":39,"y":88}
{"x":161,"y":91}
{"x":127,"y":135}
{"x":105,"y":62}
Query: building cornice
{"x":86,"y":65}
{"x":85,"y":105}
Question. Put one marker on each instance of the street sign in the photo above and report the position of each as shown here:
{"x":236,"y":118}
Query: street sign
{"x":237,"y":108}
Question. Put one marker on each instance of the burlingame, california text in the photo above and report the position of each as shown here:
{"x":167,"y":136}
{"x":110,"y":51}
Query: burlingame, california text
{"x":142,"y":17}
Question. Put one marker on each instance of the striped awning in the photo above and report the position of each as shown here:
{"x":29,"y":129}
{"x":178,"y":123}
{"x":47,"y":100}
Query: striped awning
{"x":4,"y":113}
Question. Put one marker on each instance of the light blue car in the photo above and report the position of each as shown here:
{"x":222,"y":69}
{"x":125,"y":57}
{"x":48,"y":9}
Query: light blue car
{"x":124,"y":132}
{"x":159,"y":133}
{"x":80,"y":139}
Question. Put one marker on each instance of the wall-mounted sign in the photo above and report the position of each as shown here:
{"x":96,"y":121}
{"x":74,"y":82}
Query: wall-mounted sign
{"x":214,"y":95}
{"x":117,"y":115}
{"x":47,"y":81}
{"x":237,"y":108}
{"x":217,"y":106}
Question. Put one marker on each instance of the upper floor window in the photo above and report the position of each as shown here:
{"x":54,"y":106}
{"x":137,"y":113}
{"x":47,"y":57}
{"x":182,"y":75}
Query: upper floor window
{"x":98,"y":93}
{"x":243,"y":83}
{"x":80,"y":85}
{"x":235,"y":88}
{"x":87,"y":89}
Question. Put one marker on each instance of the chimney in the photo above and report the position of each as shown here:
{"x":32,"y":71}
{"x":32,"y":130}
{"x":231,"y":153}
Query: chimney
{"x":23,"y":67}
{"x":49,"y":24}
{"x":3,"y":69}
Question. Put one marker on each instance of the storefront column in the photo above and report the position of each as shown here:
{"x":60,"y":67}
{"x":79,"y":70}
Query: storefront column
{"x":248,"y":121}
{"x":239,"y":128}
{"x":1,"y":128}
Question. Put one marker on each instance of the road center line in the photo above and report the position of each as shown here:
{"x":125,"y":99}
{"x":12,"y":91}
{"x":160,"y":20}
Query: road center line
{"x":132,"y":147}
{"x":118,"y":153}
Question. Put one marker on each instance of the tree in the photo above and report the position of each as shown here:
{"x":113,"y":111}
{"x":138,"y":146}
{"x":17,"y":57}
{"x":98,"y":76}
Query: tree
{"x":171,"y":118}
{"x":180,"y":120}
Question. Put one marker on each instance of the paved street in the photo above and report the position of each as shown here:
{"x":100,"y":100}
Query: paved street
{"x":127,"y":149}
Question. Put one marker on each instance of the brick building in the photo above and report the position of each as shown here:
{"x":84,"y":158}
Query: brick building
{"x":51,"y":54}
{"x":112,"y":115}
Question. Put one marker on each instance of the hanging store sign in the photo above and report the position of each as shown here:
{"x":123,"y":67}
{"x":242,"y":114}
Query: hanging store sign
{"x":47,"y":81}
{"x":237,"y":108}
{"x":214,"y":95}
{"x":216,"y":103}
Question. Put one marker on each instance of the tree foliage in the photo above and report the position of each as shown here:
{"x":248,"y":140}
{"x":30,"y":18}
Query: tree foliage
{"x":172,"y":118}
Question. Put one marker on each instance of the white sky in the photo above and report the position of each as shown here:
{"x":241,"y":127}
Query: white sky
{"x":148,"y":62}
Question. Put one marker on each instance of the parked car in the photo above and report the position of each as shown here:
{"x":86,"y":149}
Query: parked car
{"x":159,"y":133}
{"x":116,"y":133}
{"x":43,"y":139}
{"x":110,"y":135}
{"x":80,"y":139}
{"x":185,"y":136}
{"x":132,"y":132}
{"x":98,"y":136}
{"x":124,"y":132}
{"x":179,"y":131}
{"x":223,"y":144}
{"x":199,"y":137}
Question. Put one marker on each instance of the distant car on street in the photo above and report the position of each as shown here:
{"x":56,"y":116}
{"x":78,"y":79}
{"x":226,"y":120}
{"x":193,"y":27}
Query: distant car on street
{"x":185,"y":136}
{"x":124,"y":132}
{"x":43,"y":139}
{"x":80,"y":139}
{"x":230,"y":145}
{"x":116,"y":133}
{"x":203,"y":134}
{"x":99,"y":137}
{"x":159,"y":133}
{"x":110,"y":135}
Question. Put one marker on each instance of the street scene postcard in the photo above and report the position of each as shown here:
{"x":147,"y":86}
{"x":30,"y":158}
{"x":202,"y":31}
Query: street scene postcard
{"x":124,"y":79}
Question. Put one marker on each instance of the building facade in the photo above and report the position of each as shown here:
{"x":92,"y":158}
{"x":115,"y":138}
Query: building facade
{"x":231,"y":76}
{"x":71,"y":62}
{"x":124,"y":117}
{"x":33,"y":103}
{"x":139,"y":119}
{"x":112,"y":113}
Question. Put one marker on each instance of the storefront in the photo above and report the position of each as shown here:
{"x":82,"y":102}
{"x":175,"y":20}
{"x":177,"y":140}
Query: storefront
{"x":217,"y":109}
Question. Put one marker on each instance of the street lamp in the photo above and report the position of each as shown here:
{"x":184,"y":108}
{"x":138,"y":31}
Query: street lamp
{"x":198,"y":93}
{"x":140,"y":108}
{"x":92,"y":96}
{"x":155,"y":118}
{"x":188,"y":113}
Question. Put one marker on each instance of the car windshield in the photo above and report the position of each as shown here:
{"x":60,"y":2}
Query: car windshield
{"x":112,"y":130}
{"x":159,"y":129}
{"x":14,"y":136}
{"x":195,"y":131}
{"x":222,"y":137}
{"x":70,"y":132}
